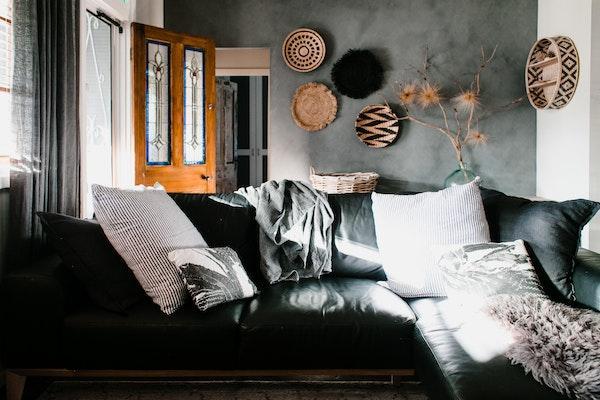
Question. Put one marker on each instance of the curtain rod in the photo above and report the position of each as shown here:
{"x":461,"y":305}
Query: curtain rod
{"x":106,"y":18}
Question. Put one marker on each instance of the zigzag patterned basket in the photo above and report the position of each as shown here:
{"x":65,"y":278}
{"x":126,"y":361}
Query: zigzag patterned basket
{"x":552,"y":72}
{"x":335,"y":183}
{"x":377,"y":126}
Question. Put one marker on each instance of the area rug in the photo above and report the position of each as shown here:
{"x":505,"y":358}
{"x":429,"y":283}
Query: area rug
{"x":232,"y":391}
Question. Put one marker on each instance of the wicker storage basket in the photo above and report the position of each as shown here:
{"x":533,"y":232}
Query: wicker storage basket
{"x":356,"y":182}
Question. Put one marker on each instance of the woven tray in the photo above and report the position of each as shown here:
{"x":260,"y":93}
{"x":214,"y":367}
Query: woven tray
{"x":334,"y":183}
{"x":313,"y":107}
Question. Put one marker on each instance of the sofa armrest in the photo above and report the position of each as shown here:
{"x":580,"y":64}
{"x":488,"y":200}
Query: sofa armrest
{"x":33,"y":305}
{"x":586,"y":278}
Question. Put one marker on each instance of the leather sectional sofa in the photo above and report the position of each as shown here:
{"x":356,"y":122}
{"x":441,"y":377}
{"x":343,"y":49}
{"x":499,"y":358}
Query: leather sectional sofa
{"x":343,"y":324}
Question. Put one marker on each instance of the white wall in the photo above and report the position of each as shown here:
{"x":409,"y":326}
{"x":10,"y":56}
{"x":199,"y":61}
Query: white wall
{"x":567,"y":151}
{"x":149,"y":12}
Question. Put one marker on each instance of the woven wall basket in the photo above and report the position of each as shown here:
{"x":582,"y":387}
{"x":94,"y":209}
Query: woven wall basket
{"x":303,"y":50}
{"x":313,"y":107}
{"x":377,"y":125}
{"x":355,"y":182}
{"x":552,"y":72}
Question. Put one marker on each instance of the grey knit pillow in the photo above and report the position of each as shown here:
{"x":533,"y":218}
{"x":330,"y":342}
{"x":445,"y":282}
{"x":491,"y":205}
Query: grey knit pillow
{"x":213,"y":276}
{"x":144,"y":226}
{"x":407,"y":226}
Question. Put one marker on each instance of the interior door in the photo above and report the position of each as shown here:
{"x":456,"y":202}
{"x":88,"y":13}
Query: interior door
{"x":174,"y":109}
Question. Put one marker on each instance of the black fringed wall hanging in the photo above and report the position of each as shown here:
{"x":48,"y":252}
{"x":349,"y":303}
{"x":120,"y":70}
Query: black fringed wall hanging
{"x":357,"y":74}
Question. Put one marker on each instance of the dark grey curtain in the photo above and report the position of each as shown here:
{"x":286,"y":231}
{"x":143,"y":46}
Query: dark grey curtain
{"x":45,"y":165}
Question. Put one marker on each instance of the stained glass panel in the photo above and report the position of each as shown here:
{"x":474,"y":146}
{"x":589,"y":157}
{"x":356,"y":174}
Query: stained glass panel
{"x":193,"y":103}
{"x":158,"y":136}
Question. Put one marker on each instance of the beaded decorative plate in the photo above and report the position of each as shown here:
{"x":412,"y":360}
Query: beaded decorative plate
{"x":303,"y":50}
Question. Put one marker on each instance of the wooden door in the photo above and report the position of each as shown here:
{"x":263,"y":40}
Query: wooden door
{"x":174,"y":110}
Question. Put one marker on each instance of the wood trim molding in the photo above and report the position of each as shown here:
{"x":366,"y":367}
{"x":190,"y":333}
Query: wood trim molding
{"x":243,"y":59}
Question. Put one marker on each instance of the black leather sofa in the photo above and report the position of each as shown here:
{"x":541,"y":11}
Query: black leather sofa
{"x":343,"y":324}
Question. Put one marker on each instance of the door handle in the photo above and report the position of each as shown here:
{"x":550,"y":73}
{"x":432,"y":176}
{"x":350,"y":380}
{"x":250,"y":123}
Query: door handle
{"x":205,"y":177}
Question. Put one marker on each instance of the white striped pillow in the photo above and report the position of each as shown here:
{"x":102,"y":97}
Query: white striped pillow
{"x":407,"y":226}
{"x":144,"y":226}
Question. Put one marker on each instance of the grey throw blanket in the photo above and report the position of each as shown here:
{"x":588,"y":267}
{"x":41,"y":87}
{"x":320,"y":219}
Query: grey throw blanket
{"x":295,"y":229}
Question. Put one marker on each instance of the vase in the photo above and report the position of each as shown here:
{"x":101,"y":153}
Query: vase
{"x":460,"y":176}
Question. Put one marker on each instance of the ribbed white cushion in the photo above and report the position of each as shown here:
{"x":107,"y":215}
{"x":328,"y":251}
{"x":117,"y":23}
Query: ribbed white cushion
{"x":407,"y":226}
{"x":144,"y":226}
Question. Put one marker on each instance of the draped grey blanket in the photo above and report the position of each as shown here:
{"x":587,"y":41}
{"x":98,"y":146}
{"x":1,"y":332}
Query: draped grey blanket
{"x":295,"y":224}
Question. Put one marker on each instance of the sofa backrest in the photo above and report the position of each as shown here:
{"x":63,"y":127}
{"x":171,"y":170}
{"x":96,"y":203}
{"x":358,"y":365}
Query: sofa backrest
{"x":225,"y":220}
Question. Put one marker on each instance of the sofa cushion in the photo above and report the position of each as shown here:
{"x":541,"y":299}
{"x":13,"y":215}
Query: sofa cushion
{"x":354,"y":247}
{"x":457,"y":361}
{"x":408,"y":226}
{"x":84,"y":248}
{"x":225,"y":220}
{"x":213,"y":275}
{"x":328,"y":323}
{"x":144,"y":225}
{"x":550,"y":229}
{"x":148,"y":339}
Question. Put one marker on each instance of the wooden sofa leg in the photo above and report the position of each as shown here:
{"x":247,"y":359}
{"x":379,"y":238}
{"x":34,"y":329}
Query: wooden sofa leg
{"x":397,"y":380}
{"x":15,"y":384}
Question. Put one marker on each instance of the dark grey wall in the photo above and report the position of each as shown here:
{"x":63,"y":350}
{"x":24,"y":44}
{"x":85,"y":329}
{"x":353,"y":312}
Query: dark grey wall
{"x":396,"y":30}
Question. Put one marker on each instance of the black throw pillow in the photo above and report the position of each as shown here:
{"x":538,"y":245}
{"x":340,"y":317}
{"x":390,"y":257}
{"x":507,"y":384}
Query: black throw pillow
{"x":550,"y":229}
{"x":85,"y":249}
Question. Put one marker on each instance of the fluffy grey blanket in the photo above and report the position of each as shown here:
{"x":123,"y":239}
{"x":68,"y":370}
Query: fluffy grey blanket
{"x":295,"y":229}
{"x":559,"y":345}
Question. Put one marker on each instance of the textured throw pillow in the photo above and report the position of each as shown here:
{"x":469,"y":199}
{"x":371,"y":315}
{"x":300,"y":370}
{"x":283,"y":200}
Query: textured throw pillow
{"x":213,"y":276}
{"x":84,"y":248}
{"x":550,"y":229}
{"x":144,"y":226}
{"x":487,"y":269}
{"x":407,"y":226}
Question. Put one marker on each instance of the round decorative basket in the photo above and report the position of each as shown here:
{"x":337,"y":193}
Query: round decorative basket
{"x":332,"y":183}
{"x":303,"y":50}
{"x":552,"y":72}
{"x":313,"y":107}
{"x":377,"y":126}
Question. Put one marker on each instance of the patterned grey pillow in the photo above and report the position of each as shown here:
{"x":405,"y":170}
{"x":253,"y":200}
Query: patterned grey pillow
{"x":213,"y":275}
{"x":488,"y":269}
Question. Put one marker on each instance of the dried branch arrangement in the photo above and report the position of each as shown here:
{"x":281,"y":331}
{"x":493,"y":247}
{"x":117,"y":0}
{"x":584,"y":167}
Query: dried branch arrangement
{"x":459,"y":112}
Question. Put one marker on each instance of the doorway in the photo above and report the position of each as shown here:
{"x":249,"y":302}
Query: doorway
{"x":242,"y":118}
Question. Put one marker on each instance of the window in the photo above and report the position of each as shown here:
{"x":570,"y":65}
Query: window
{"x":6,"y":60}
{"x":103,"y":77}
{"x":97,"y":157}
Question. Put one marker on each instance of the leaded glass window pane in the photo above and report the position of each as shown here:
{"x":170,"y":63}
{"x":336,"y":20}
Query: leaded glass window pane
{"x":158,"y":104}
{"x":193,"y":103}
